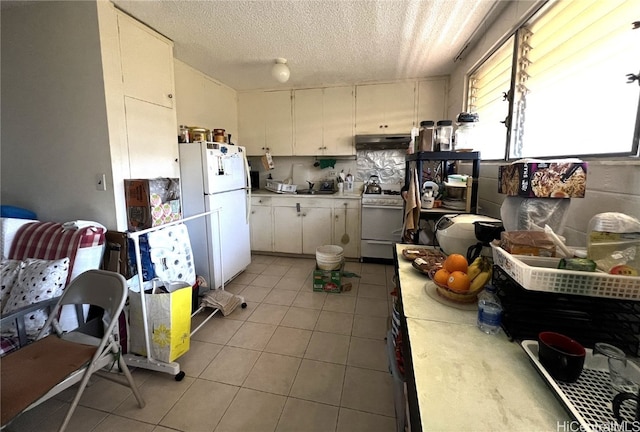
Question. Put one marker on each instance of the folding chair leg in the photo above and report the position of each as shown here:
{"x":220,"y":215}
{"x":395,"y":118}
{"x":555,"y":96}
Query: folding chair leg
{"x":134,"y":388}
{"x":76,"y":399}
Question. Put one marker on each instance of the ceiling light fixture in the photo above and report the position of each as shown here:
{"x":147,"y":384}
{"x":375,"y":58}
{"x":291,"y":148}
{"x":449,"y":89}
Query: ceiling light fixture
{"x":280,"y":70}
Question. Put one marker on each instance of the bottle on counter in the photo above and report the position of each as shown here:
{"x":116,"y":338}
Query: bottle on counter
{"x":489,"y":310}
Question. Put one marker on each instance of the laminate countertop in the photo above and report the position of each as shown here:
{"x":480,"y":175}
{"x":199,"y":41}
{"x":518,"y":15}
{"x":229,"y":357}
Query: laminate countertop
{"x":462,"y":378}
{"x":344,"y":195}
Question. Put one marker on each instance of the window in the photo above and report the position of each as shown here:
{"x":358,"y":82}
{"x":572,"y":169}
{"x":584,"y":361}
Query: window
{"x":570,"y":90}
{"x":488,"y":90}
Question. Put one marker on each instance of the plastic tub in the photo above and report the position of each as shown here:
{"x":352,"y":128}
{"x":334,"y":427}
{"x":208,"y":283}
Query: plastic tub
{"x":329,"y":257}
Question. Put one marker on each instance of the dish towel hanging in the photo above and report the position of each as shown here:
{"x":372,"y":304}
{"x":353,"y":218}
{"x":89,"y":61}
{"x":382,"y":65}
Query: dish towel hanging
{"x":412,"y":208}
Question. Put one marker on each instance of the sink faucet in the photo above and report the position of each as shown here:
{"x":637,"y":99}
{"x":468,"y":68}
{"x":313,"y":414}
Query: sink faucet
{"x":310,"y":186}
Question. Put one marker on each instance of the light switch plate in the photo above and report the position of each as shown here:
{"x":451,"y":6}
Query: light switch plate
{"x":101,"y":182}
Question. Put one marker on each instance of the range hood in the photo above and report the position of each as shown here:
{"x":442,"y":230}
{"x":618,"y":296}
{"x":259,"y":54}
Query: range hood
{"x":383,"y":142}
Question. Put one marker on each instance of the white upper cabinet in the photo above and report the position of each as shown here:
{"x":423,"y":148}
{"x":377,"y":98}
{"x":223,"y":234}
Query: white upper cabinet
{"x":147,"y":63}
{"x":385,"y":108}
{"x":432,"y":98}
{"x":265,"y":123}
{"x":323,"y":121}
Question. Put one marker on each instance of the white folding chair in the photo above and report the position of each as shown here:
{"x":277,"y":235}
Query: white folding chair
{"x":57,"y":360}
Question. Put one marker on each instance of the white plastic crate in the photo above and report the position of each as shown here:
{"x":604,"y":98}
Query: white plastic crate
{"x":280,"y":187}
{"x":541,"y":274}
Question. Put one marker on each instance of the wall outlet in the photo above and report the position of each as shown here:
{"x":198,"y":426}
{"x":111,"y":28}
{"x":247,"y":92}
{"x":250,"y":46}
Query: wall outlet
{"x":332,"y":173}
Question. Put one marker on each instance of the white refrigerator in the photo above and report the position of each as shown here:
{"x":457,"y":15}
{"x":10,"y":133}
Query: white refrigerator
{"x":214,"y":177}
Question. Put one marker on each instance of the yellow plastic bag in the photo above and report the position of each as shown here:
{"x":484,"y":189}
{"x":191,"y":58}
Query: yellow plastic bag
{"x":169,"y":323}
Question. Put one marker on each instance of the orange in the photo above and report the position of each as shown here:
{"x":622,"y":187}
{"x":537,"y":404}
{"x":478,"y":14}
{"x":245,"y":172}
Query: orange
{"x":456,"y":262}
{"x":441,"y":277}
{"x":458,"y":281}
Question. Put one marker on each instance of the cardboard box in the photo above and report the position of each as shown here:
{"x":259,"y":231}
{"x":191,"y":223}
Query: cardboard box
{"x":328,"y":280}
{"x":152,"y":202}
{"x":543,"y":179}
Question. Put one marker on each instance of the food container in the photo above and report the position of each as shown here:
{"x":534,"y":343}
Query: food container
{"x":198,"y":134}
{"x":561,"y":179}
{"x":219,"y":136}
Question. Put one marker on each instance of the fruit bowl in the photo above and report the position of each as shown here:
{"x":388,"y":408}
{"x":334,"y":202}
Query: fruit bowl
{"x":455,"y":296}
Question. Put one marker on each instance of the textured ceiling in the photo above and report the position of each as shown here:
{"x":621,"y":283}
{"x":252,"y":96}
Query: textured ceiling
{"x":324,"y":42}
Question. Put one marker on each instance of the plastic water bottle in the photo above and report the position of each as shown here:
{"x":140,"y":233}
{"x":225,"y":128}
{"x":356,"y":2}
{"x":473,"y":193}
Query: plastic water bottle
{"x":489,"y":310}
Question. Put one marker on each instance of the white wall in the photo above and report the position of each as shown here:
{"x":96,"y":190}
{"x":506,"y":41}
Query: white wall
{"x":204,"y":102}
{"x":611,"y":185}
{"x":54,"y":134}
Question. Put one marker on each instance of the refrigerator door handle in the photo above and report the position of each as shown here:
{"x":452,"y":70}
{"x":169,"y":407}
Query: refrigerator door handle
{"x":248,"y":188}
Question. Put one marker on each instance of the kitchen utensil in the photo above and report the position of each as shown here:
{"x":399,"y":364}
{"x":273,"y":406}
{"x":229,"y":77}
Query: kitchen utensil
{"x":617,"y":405}
{"x":373,"y":185}
{"x":345,"y":237}
{"x":622,"y":374}
{"x":558,"y":241}
{"x":561,"y":356}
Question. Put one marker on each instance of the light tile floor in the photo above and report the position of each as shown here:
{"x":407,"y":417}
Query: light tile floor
{"x":293,"y":360}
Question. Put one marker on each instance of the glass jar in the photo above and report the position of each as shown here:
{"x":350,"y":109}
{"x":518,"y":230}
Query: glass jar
{"x":444,"y":134}
{"x":426,"y":136}
{"x":465,"y":136}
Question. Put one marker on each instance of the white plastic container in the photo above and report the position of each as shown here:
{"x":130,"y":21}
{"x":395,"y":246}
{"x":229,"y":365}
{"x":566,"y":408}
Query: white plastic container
{"x":613,"y":242}
{"x":329,"y":257}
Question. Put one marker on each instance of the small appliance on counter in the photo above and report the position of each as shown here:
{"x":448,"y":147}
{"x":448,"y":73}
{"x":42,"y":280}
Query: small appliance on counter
{"x":461,"y":233}
{"x":255,"y":179}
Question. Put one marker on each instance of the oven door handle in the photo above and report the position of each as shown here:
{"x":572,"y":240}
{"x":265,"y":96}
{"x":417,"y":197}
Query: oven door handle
{"x":365,"y":206}
{"x":382,"y":242}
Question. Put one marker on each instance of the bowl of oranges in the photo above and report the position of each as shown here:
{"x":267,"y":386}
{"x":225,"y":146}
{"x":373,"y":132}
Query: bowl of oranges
{"x":460,"y":281}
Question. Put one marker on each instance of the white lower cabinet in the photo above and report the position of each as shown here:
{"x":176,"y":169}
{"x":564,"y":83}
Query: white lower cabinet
{"x":316,"y":229}
{"x":287,"y":230}
{"x":299,"y":225}
{"x":261,"y":224}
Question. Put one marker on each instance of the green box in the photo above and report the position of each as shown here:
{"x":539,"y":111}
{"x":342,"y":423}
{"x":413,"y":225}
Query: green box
{"x":328,"y":280}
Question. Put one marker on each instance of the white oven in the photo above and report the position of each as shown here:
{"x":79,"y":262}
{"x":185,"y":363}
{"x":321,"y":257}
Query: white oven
{"x":382,"y":217}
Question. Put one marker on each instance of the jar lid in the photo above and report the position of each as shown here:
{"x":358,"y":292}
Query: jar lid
{"x":468,"y":117}
{"x":426,"y":123}
{"x":444,"y":123}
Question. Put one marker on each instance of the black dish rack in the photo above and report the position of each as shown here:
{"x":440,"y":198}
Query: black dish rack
{"x":585,"y":319}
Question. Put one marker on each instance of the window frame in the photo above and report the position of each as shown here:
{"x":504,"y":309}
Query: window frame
{"x":509,"y":138}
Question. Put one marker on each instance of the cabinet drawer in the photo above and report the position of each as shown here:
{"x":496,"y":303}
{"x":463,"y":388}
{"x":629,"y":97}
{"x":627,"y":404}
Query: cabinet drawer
{"x":350,"y":203}
{"x":260,"y":201}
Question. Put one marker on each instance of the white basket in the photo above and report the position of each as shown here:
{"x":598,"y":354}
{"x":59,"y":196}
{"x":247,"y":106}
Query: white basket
{"x":329,"y":257}
{"x":541,"y":274}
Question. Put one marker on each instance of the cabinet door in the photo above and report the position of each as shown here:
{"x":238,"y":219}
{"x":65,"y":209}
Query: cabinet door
{"x":261,"y":228}
{"x":370,"y":109}
{"x":278,"y":123}
{"x":287,"y":230}
{"x":251,"y":123}
{"x":399,"y":102}
{"x":147,"y":63}
{"x":385,"y":108}
{"x":432,"y":100}
{"x":316,"y":229}
{"x":151,"y":139}
{"x":308,"y":122}
{"x":338,"y":107}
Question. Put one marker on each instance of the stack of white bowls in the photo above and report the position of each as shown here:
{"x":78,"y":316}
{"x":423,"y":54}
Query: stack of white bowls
{"x":329,"y":257}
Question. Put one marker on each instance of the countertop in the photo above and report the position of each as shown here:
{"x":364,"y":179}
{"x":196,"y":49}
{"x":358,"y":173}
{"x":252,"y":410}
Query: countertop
{"x":344,"y":195}
{"x":466,"y":380}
